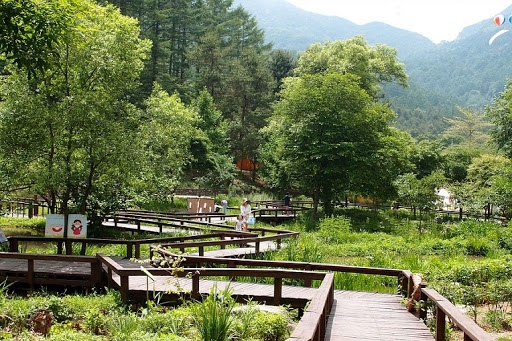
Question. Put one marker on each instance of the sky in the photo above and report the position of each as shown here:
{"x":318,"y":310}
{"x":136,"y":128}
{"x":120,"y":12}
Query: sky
{"x":437,"y":20}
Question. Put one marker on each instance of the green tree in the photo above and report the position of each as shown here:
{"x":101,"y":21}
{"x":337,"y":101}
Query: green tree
{"x":31,"y":31}
{"x":485,"y":183}
{"x":328,"y":125}
{"x":281,"y":63}
{"x":324,"y":131}
{"x":212,"y":164}
{"x":470,"y":129}
{"x":70,"y":132}
{"x":426,"y":156}
{"x":420,"y":194}
{"x":371,"y":64}
{"x":500,"y":114}
{"x":456,"y":161}
{"x":167,"y":133}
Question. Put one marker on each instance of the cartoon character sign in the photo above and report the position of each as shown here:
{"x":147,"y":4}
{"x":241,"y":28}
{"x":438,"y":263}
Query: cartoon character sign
{"x":77,"y":226}
{"x":54,"y":225}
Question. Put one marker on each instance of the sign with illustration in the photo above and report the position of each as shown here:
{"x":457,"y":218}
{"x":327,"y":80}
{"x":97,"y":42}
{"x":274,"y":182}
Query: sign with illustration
{"x":77,"y":226}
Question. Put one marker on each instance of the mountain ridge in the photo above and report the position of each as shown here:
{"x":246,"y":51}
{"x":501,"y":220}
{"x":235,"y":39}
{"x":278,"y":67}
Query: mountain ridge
{"x":466,"y":72}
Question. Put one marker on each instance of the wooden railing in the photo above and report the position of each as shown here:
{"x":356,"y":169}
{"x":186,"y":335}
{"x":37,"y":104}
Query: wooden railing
{"x":201,"y":219}
{"x":312,"y":325}
{"x":219,"y":239}
{"x":443,"y":309}
{"x":226,"y":239}
{"x":404,"y":277}
{"x":133,"y":247}
{"x":32,"y":274}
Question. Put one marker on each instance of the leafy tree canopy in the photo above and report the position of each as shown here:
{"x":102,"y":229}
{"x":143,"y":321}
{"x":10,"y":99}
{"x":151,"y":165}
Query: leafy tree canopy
{"x":325,"y":131}
{"x":31,"y":30}
{"x":371,"y":64}
{"x":71,"y":130}
{"x":500,"y":114}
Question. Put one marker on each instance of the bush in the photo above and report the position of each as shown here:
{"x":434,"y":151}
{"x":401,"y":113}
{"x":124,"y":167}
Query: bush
{"x":271,"y":326}
{"x":174,"y":321}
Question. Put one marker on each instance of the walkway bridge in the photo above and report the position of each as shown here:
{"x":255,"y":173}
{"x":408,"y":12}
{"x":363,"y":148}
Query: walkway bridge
{"x":217,"y":258}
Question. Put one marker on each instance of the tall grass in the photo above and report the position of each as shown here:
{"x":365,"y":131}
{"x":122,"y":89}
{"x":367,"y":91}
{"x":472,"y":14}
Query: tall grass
{"x":213,"y":316}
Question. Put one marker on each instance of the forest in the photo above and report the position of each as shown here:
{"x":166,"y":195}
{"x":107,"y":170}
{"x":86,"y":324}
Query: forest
{"x":103,"y":105}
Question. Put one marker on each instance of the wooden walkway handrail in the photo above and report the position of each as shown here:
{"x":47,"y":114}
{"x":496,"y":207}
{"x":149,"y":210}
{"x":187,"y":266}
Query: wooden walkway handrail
{"x":172,"y":220}
{"x":312,"y":325}
{"x":31,"y":275}
{"x":445,"y":308}
{"x":277,"y":274}
{"x":236,"y":238}
{"x":133,"y":247}
{"x":404,"y":277}
{"x":14,"y":242}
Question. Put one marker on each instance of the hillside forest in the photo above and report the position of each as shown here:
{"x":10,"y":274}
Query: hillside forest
{"x":105,"y":104}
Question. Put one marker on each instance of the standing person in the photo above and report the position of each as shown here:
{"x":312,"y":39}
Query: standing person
{"x":245,"y":210}
{"x":224,"y":204}
{"x":239,"y":223}
{"x":287,"y":200}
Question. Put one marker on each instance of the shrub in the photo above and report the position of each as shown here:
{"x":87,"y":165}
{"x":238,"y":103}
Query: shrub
{"x":305,"y":248}
{"x":270,"y":326}
{"x":334,"y":230}
{"x":174,"y":321}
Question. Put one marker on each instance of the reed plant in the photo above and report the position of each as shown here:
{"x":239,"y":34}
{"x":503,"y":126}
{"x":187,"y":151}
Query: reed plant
{"x":213,"y":317}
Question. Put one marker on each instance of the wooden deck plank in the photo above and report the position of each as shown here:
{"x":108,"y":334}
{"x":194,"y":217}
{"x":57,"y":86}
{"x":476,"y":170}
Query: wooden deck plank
{"x":57,"y":267}
{"x":164,"y":283}
{"x":250,"y":249}
{"x":373,"y":316}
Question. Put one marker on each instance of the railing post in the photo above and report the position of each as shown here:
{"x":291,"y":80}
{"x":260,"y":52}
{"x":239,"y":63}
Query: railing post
{"x":195,"y":287}
{"x":13,"y":245}
{"x":83,"y":248}
{"x":129,"y":250}
{"x":96,"y":271}
{"x":440,"y":324}
{"x":110,"y":280}
{"x":278,"y":290}
{"x":422,"y":312}
{"x":410,"y":286}
{"x":69,"y":247}
{"x":30,"y":274}
{"x":201,"y":251}
{"x":125,"y":287}
{"x":137,"y":250}
{"x":307,"y":280}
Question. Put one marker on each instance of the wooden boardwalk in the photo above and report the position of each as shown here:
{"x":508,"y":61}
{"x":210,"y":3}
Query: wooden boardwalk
{"x":373,"y":316}
{"x":354,"y":315}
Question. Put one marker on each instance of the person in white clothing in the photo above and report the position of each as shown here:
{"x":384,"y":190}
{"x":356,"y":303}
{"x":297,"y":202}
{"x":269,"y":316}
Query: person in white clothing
{"x":245,"y":211}
{"x":239,"y":223}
